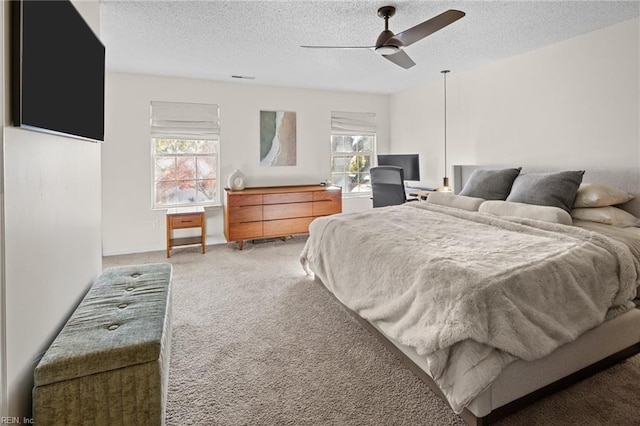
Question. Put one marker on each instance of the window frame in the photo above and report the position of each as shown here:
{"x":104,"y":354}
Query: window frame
{"x":217,"y":200}
{"x":371,"y":153}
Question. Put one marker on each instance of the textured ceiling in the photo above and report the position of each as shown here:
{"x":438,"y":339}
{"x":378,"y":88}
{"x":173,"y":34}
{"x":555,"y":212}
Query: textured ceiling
{"x":217,"y":39}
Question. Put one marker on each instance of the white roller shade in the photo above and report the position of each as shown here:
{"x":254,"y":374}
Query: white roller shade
{"x":184,"y":120}
{"x":353,"y":122}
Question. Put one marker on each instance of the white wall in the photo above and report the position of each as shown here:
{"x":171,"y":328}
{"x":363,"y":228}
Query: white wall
{"x":3,"y":340}
{"x":52,"y":215}
{"x":128,"y":221}
{"x":573,"y":103}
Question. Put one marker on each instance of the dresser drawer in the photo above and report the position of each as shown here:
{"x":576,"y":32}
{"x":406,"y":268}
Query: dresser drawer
{"x":234,"y":200}
{"x":186,"y":220}
{"x":278,"y":228}
{"x":327,"y":207}
{"x":247,"y":230}
{"x":327,"y":195}
{"x":244,"y":214}
{"x":289,"y":197}
{"x":286,"y":211}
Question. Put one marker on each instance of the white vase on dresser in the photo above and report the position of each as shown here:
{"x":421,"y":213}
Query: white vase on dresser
{"x":236,"y":180}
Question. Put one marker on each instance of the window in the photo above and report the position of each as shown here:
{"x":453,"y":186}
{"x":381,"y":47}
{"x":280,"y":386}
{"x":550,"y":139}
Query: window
{"x":353,"y":143}
{"x":185,"y":154}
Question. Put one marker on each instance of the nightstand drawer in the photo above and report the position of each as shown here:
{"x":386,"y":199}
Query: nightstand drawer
{"x":186,"y":221}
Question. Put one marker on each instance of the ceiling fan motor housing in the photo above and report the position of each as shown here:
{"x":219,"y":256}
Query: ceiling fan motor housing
{"x":386,"y":49}
{"x":382,"y":48}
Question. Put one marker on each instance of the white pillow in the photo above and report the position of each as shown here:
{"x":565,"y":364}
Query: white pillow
{"x":598,"y":195}
{"x":456,"y":201}
{"x":528,"y":211}
{"x":608,"y":215}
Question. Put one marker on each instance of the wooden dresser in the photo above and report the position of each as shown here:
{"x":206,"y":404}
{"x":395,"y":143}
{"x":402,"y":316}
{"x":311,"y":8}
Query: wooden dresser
{"x":276,"y":211}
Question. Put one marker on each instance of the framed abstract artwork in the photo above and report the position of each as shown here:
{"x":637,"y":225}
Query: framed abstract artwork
{"x":277,"y":138}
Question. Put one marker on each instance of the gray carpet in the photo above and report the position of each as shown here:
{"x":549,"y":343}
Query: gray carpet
{"x":256,"y":341}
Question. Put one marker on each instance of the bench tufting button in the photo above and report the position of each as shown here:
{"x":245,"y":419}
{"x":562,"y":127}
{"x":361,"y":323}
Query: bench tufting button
{"x":113,"y":327}
{"x":130,"y":288}
{"x":135,"y":275}
{"x":123,"y":305}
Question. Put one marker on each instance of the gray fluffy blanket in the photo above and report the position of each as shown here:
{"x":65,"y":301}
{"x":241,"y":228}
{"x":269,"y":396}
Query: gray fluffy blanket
{"x":470,"y":292}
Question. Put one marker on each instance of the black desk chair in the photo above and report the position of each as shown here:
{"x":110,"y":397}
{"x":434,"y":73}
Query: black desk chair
{"x":387,"y":186}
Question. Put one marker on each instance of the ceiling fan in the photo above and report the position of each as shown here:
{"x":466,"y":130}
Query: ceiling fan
{"x":390,"y":45}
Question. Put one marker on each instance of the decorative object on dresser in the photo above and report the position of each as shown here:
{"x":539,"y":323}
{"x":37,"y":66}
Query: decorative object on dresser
{"x":276,"y":211}
{"x":182,"y":218}
{"x":236,"y":180}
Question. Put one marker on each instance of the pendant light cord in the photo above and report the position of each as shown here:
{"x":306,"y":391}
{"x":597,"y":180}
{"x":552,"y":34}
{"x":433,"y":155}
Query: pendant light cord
{"x":445,"y":123}
{"x":444,"y":72}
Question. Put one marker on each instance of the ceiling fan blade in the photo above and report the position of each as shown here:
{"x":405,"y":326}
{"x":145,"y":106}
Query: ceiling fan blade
{"x":338,"y":47}
{"x":420,"y":31}
{"x":401,"y":58}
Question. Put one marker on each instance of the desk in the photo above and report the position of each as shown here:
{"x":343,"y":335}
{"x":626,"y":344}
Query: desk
{"x":186,"y":217}
{"x":421,"y":194}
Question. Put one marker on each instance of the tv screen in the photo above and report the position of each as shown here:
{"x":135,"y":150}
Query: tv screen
{"x":58,"y":70}
{"x":409,"y":162}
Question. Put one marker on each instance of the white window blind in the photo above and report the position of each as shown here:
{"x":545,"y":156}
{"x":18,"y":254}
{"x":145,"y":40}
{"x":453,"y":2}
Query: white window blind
{"x":358,"y":123}
{"x":184,"y":120}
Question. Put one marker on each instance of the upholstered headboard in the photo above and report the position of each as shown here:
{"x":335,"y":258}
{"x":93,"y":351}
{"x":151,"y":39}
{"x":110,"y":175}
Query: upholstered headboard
{"x":624,"y":178}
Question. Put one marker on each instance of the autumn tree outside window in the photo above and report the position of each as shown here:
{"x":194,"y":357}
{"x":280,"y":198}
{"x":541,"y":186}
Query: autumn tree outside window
{"x":185,"y":145}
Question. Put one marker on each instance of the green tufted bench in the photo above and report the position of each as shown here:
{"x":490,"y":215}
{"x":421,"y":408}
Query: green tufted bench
{"x":109,"y":365}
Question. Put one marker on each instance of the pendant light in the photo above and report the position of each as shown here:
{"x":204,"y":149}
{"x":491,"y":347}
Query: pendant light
{"x":445,"y":180}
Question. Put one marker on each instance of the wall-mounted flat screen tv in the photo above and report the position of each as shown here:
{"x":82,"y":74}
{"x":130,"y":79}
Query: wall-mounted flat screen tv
{"x":57,"y":71}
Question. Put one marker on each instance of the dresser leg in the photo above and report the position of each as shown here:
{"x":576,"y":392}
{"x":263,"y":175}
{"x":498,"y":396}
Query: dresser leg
{"x":240,"y":244}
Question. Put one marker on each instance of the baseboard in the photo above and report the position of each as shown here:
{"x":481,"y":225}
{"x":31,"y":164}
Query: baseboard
{"x":211,"y":240}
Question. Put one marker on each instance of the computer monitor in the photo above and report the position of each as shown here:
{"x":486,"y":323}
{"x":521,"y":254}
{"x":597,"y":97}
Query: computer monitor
{"x":409,"y":162}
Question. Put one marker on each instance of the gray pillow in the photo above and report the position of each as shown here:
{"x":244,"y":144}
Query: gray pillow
{"x":490,"y":184}
{"x":556,"y":189}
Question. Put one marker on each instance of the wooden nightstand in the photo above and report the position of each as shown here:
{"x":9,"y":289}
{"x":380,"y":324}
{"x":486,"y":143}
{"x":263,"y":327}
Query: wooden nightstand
{"x":182,"y":218}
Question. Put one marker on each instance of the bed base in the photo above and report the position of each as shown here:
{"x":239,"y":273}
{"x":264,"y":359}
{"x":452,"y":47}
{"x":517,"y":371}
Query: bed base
{"x":513,"y":406}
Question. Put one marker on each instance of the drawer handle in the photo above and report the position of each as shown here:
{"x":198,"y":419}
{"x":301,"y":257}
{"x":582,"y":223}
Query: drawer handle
{"x":185,"y":221}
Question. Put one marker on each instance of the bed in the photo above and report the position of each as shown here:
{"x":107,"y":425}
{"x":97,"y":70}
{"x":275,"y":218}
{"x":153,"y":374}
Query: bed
{"x":492,"y":312}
